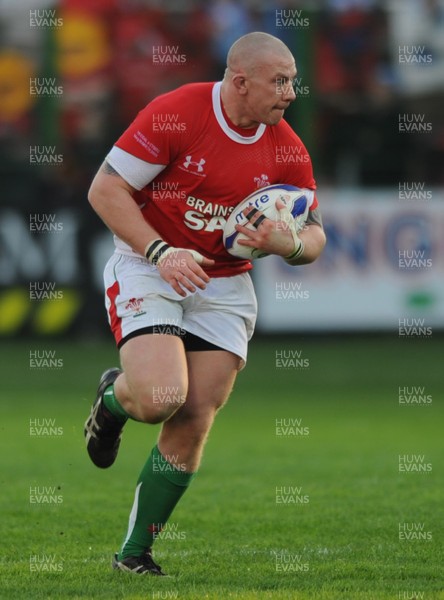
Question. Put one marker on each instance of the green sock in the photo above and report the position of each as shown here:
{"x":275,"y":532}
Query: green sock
{"x":159,"y":488}
{"x":113,"y":406}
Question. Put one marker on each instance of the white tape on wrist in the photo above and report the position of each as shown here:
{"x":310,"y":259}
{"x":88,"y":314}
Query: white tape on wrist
{"x":292,"y":259}
{"x":298,"y":251}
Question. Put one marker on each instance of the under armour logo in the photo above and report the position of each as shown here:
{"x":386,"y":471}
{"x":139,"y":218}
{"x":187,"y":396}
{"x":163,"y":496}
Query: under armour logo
{"x":199,"y":164}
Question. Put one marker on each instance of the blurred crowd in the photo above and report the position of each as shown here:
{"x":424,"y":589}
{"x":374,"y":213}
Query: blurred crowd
{"x":94,"y":63}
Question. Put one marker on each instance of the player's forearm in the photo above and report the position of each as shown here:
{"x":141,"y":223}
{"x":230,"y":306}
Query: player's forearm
{"x":314,"y":241}
{"x":118,"y":210}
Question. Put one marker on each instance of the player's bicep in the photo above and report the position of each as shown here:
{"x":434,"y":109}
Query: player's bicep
{"x":106,"y":180}
{"x":107,"y":189}
{"x":109,"y":176}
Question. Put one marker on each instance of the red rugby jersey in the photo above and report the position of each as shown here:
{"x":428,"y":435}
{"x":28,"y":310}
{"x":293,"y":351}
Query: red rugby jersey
{"x":211,"y":166}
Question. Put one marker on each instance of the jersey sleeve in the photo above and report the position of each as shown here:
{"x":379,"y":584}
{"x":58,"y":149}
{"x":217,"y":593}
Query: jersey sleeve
{"x":157,"y":133}
{"x":138,"y":173}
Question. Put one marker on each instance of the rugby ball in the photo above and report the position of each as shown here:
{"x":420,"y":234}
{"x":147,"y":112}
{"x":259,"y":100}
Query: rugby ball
{"x":297,"y":200}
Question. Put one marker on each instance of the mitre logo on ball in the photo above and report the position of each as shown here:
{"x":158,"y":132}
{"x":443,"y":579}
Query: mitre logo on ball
{"x":297,"y":200}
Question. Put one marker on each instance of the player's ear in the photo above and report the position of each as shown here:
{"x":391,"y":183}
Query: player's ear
{"x":240,"y":83}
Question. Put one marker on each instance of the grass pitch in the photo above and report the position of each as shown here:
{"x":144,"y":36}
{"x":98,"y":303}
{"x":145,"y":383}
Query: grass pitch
{"x":299,"y":495}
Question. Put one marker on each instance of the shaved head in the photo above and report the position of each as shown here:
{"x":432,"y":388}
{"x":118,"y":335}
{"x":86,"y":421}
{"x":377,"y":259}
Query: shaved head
{"x":254,"y":50}
{"x":258,"y":81}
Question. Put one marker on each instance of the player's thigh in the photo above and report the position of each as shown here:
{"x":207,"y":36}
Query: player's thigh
{"x":211,"y":376}
{"x":155,"y":368}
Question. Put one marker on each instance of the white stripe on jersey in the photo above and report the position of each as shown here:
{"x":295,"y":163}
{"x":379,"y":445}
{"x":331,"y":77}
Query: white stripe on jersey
{"x":138,"y":173}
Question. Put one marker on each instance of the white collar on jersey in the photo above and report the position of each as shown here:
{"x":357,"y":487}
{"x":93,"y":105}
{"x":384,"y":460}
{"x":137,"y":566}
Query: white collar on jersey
{"x":233,"y":135}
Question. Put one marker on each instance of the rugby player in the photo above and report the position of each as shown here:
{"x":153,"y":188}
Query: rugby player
{"x":182,"y":309}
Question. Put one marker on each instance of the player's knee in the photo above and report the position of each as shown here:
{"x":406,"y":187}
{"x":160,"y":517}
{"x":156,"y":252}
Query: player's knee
{"x":197,"y":422}
{"x":158,"y":403}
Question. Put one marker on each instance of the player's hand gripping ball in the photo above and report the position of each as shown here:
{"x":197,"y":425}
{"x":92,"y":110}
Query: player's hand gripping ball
{"x":297,"y":201}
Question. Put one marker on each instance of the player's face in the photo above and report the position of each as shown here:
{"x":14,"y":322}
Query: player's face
{"x":270,"y":91}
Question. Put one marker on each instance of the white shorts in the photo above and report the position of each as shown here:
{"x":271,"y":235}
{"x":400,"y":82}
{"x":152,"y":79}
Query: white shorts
{"x":137,"y":298}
